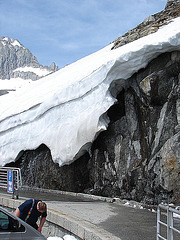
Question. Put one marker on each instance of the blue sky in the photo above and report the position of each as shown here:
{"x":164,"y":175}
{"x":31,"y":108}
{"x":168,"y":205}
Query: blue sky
{"x":64,"y":31}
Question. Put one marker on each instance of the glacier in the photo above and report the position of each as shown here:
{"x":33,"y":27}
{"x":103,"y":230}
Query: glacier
{"x":17,"y":82}
{"x":66,"y":110}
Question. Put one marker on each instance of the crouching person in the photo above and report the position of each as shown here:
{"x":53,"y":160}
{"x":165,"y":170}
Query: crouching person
{"x":30,"y":211}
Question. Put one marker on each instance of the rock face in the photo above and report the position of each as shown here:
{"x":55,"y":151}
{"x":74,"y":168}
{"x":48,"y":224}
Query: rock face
{"x":14,"y":55}
{"x":138,"y":157}
{"x":39,"y":170}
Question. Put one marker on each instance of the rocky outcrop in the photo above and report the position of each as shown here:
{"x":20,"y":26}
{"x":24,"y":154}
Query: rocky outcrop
{"x":138,"y":157}
{"x":151,"y":24}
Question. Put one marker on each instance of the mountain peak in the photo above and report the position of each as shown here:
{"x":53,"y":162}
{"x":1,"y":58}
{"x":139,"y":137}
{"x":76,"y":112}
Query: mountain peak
{"x":11,"y":41}
{"x":14,"y":56}
{"x":20,"y":65}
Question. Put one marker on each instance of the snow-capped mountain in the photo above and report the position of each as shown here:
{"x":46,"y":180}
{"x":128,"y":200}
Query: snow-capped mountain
{"x":19,"y":65}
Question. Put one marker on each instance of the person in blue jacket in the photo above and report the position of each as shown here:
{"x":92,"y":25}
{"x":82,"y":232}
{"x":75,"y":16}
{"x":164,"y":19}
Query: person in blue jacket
{"x":30,"y":211}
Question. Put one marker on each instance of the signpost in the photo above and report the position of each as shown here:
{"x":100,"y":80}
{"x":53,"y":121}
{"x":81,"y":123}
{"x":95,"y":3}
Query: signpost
{"x":10,"y":187}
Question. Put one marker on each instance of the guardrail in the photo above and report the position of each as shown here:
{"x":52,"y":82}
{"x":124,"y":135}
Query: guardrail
{"x":168,"y":223}
{"x":10,"y":179}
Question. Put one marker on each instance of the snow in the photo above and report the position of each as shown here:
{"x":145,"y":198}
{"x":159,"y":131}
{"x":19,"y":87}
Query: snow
{"x":69,"y":237}
{"x":66,"y":237}
{"x":38,"y":71}
{"x":16,"y":43}
{"x":66,"y":109}
{"x":3,"y":43}
{"x":5,"y":39}
{"x":14,"y":83}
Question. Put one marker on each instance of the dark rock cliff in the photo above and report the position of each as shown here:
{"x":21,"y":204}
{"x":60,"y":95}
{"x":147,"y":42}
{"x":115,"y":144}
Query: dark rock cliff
{"x":138,"y":157}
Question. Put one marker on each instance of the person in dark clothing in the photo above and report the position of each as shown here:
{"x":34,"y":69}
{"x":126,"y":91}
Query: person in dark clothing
{"x":30,"y":211}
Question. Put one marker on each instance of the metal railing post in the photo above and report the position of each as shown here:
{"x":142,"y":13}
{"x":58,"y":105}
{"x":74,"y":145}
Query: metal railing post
{"x":13,"y":184}
{"x":170,"y":229}
{"x":158,"y":222}
{"x":169,"y":224}
{"x":17,"y":192}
